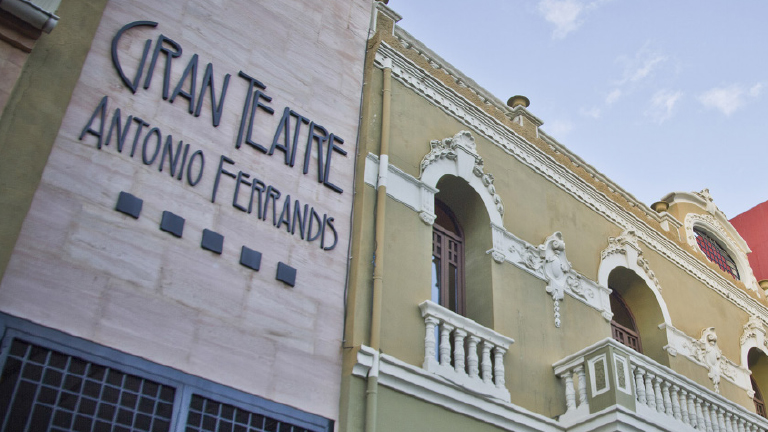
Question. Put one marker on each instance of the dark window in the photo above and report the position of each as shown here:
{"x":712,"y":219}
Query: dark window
{"x":447,"y":260}
{"x":623,"y":327}
{"x":716,"y":253}
{"x":62,"y":386}
{"x":758,"y":399}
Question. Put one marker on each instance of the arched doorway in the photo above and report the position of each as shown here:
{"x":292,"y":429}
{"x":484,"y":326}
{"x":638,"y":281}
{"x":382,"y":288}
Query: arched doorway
{"x":623,"y":326}
{"x":758,"y":364}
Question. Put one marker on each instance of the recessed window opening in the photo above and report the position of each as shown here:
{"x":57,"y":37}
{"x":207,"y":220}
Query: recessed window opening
{"x":716,"y":253}
{"x":623,"y":327}
{"x":447,"y":260}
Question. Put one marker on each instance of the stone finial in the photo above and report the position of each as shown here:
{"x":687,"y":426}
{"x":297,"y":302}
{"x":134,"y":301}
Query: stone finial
{"x":518,"y":100}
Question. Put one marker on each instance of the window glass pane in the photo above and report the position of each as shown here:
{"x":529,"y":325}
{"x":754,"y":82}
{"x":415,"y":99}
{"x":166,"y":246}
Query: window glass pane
{"x":209,"y":415}
{"x":435,"y":279}
{"x":453,"y":291}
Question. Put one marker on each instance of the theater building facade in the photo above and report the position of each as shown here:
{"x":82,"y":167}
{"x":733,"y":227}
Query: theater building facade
{"x":500,"y":282}
{"x":176,"y":193}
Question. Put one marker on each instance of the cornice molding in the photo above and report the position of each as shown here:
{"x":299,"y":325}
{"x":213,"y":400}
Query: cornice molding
{"x":457,"y":106}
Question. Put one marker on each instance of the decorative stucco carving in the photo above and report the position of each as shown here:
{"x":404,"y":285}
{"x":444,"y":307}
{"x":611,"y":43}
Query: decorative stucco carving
{"x":711,"y":224}
{"x":620,"y":245}
{"x":556,"y":267}
{"x":447,"y":149}
{"x":706,"y":352}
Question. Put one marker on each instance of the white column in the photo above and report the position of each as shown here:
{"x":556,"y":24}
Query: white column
{"x":570,"y":393}
{"x":445,"y":344}
{"x":659,"y":397}
{"x":667,"y":399}
{"x":498,"y":366}
{"x":458,"y":350}
{"x":430,"y":344}
{"x":472,"y":356}
{"x":676,"y":410}
{"x":649,"y":395}
{"x":700,"y":423}
{"x":582,"y":386}
{"x":639,"y":384}
{"x":485,"y":362}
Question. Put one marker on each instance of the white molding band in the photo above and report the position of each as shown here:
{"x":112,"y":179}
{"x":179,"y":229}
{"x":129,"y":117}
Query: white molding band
{"x":434,"y":389}
{"x":423,"y":83}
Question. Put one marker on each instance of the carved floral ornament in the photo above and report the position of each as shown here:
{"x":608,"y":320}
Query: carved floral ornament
{"x":621,"y":244}
{"x":753,"y":336}
{"x":707,"y":352}
{"x":448,"y":148}
{"x":549,"y":258}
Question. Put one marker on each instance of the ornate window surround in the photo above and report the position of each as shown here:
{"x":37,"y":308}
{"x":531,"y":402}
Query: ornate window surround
{"x":714,"y":228}
{"x":624,"y":251}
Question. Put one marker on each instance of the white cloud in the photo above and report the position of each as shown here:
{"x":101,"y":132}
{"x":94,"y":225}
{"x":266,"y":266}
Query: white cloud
{"x":560,"y":128}
{"x":662,"y":105}
{"x":566,"y":15}
{"x":613,"y":96}
{"x":730,"y":98}
{"x":641,"y":66}
{"x":593,"y":112}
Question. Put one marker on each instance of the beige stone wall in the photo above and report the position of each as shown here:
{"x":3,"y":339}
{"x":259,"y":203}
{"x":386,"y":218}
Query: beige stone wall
{"x":86,"y":269}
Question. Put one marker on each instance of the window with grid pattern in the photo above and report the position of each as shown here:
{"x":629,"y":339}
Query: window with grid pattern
{"x":45,"y":389}
{"x":716,"y":253}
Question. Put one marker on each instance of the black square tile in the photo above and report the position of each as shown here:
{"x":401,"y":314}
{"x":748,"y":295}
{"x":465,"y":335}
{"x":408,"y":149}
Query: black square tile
{"x":172,"y":223}
{"x":250,"y":258}
{"x":286,"y":273}
{"x":129,"y":204}
{"x":212,"y":241}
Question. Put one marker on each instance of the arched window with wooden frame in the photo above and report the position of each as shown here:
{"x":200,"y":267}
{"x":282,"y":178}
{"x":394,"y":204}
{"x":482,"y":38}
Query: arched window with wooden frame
{"x":716,"y":253}
{"x":758,"y":399}
{"x":623,"y":326}
{"x":447,"y":260}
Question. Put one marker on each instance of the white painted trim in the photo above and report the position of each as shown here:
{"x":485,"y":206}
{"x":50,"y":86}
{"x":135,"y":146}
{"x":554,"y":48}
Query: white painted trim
{"x":624,"y":251}
{"x":433,"y":389}
{"x":466,"y":112}
{"x":716,"y":229}
{"x":591,"y":364}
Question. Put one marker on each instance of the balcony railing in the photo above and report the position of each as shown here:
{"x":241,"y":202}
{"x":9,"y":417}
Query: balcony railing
{"x":619,"y":376}
{"x":464,"y":352}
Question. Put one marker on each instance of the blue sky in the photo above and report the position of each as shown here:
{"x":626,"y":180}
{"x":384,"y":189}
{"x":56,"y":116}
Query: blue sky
{"x":660,"y":96}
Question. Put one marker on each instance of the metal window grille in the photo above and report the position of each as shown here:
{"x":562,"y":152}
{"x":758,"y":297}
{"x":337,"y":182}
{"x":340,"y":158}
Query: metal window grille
{"x":209,"y":415}
{"x":716,"y":253}
{"x":45,"y":390}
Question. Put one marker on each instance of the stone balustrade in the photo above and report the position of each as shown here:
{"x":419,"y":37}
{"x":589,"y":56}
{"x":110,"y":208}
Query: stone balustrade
{"x":609,"y":373}
{"x":464,"y":352}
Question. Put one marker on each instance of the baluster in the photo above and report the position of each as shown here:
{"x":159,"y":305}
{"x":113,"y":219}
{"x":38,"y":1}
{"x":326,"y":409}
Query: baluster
{"x":498,"y":366}
{"x":667,"y":399}
{"x":700,"y":423}
{"x":458,"y":350}
{"x":741,"y":422}
{"x":445,"y":344}
{"x":582,"y":386}
{"x":729,"y":426}
{"x":570,"y":393}
{"x":692,"y":413}
{"x":659,"y":397}
{"x":684,"y":413}
{"x":472,"y":356}
{"x":676,"y":412}
{"x":649,"y":395}
{"x":639,"y":385}
{"x":707,"y":417}
{"x":485,"y":364}
{"x":715,"y":423}
{"x":430,"y":343}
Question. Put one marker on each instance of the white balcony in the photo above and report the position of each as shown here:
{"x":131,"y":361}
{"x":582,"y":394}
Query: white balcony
{"x":653,"y":396}
{"x":464,"y":352}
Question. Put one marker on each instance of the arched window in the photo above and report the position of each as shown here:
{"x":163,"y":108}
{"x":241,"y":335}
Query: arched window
{"x":716,"y":253}
{"x":758,"y":399}
{"x":623,"y":327}
{"x":447,"y":260}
